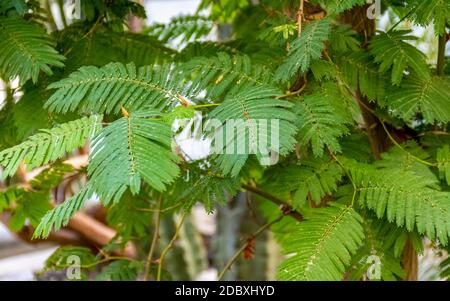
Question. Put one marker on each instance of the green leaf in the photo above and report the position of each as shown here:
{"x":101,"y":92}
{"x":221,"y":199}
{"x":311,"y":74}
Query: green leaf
{"x":406,"y":199}
{"x":305,"y":49}
{"x":391,"y":51}
{"x":25,"y":50}
{"x":30,"y":206}
{"x":428,"y":96}
{"x":251,"y":121}
{"x":61,"y":214}
{"x":49,"y":145}
{"x":321,"y":247}
{"x":320,"y":122}
{"x":432,"y":11}
{"x":218,"y":74}
{"x":108,"y":88}
{"x":131,"y":149}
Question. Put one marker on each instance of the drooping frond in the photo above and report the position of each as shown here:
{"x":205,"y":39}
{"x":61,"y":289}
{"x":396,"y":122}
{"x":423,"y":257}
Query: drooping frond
{"x":431,"y":11}
{"x":108,"y":88}
{"x":427,"y":96}
{"x":251,"y":121}
{"x":304,"y":49}
{"x":49,"y":145}
{"x":131,"y":149}
{"x":321,"y":247}
{"x":358,"y":72}
{"x":406,"y":199}
{"x":391,"y":51}
{"x":220,"y":73}
{"x":60,"y":215}
{"x":182,"y":29}
{"x":25,"y":50}
{"x":320,"y":123}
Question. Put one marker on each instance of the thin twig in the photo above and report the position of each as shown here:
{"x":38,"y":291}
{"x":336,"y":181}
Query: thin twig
{"x":284,"y":207}
{"x":300,"y":18}
{"x":242,"y":248}
{"x":148,"y":264}
{"x":169,"y":246}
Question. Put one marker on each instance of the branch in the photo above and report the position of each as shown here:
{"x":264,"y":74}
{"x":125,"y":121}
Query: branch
{"x":284,"y":207}
{"x":169,"y":246}
{"x":242,"y":248}
{"x":148,"y":264}
{"x":300,"y":18}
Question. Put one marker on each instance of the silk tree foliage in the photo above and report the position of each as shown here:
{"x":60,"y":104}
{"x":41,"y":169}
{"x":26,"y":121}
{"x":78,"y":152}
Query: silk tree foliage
{"x":363,"y":153}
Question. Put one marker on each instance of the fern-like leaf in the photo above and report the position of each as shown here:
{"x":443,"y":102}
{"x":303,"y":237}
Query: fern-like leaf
{"x":322,"y":245}
{"x":320,"y":123}
{"x":428,"y":96}
{"x":304,"y":49}
{"x":431,"y":11}
{"x":219,"y":73}
{"x":128,"y":150}
{"x":49,"y":145}
{"x":60,"y":215}
{"x":182,"y":29}
{"x":25,"y":50}
{"x":391,"y":50}
{"x":406,"y":199}
{"x":108,"y":88}
{"x":262,"y":124}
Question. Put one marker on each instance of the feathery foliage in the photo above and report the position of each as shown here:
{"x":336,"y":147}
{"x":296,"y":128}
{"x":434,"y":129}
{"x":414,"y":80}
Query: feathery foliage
{"x":428,"y":96}
{"x":25,"y":50}
{"x":319,"y":124}
{"x":391,"y":50}
{"x":220,"y":73}
{"x":305,"y":49}
{"x":406,"y":199}
{"x":49,"y":145}
{"x":251,"y":132}
{"x":129,"y":150}
{"x":61,"y":214}
{"x":108,"y":88}
{"x":322,"y":245}
{"x":183,"y":29}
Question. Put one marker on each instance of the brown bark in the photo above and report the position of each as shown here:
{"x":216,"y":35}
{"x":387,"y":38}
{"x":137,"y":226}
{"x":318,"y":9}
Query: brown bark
{"x":379,"y":141}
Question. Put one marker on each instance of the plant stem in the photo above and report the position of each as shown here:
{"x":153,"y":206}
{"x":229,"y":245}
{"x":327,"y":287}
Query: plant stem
{"x":148,"y":264}
{"x":286,"y":208}
{"x":300,"y":18}
{"x":169,"y":246}
{"x":242,"y":248}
